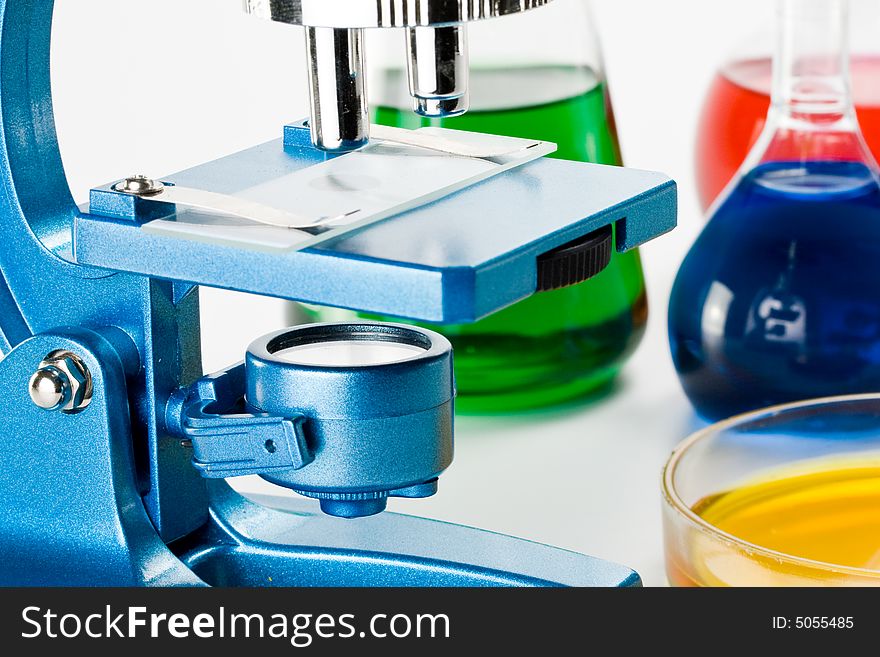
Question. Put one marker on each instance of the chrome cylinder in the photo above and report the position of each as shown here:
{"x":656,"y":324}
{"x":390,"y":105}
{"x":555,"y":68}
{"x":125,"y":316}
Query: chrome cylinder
{"x":437,"y":64}
{"x":340,"y":118}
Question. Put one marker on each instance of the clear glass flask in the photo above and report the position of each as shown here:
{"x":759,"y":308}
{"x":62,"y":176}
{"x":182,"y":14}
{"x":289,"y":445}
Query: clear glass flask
{"x":535,"y":75}
{"x":784,"y":496}
{"x":736,"y":104}
{"x":777,"y":300}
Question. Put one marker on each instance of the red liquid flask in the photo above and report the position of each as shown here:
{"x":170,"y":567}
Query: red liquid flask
{"x":735,"y":111}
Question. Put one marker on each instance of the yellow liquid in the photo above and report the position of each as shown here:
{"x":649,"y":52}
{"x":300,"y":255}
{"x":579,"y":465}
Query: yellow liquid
{"x":829,"y":513}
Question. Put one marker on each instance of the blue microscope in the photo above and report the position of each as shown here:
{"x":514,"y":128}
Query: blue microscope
{"x":115,"y":446}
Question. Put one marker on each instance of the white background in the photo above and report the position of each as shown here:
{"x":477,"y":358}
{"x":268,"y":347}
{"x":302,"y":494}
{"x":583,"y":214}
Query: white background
{"x":162,"y":85}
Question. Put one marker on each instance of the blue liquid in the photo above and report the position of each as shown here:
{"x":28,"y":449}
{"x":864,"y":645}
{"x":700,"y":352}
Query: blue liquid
{"x":779,"y":298}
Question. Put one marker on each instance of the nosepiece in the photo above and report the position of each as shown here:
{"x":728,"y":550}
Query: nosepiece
{"x":436,"y":43}
{"x":378,"y":403}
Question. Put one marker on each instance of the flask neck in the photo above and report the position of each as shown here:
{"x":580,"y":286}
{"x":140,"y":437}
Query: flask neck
{"x":812,"y":116}
{"x":811,"y":81}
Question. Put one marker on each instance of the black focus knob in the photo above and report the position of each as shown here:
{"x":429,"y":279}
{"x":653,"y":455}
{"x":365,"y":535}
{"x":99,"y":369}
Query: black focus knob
{"x":575,"y":262}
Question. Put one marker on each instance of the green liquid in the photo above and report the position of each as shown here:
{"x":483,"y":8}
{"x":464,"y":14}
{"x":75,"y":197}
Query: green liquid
{"x":559,"y":345}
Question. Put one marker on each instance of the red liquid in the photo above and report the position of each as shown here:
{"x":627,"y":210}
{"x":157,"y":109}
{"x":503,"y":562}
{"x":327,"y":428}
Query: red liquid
{"x":736,"y":109}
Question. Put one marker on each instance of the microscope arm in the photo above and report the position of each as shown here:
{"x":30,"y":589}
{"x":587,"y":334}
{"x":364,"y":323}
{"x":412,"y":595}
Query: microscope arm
{"x":72,"y":511}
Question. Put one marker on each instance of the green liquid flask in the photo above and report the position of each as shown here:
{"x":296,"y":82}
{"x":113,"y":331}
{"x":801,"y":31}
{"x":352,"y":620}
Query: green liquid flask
{"x":559,"y":345}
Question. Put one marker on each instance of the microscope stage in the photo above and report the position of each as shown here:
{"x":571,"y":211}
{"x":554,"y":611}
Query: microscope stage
{"x":454,"y":259}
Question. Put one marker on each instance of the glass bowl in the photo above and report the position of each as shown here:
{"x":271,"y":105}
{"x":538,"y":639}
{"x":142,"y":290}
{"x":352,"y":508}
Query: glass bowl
{"x":803,"y":475}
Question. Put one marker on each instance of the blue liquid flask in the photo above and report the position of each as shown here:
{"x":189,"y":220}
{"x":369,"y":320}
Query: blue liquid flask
{"x":779,"y":298}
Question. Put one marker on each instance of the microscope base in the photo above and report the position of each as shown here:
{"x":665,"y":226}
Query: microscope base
{"x":73,"y":513}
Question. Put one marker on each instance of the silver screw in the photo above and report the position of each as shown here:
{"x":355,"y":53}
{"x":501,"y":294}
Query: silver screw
{"x":62,"y":382}
{"x":139,"y":185}
{"x":49,"y":388}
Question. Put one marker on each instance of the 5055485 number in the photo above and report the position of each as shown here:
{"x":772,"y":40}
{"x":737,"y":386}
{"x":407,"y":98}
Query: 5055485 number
{"x":824,"y":622}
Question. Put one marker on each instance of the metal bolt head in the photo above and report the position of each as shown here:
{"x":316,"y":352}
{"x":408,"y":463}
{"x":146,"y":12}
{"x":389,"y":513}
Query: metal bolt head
{"x":49,"y":388}
{"x":62,"y":382}
{"x":139,"y":185}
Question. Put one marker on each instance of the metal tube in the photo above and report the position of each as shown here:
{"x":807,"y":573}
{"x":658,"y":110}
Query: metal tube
{"x":438,"y":70}
{"x":339,"y":114}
